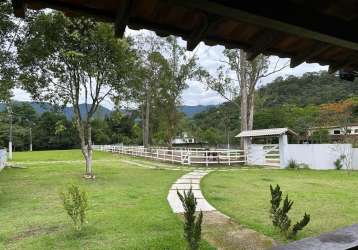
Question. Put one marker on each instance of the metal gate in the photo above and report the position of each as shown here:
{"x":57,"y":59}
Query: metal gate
{"x":272,"y":155}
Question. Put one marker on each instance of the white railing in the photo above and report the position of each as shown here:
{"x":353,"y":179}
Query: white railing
{"x":3,"y":158}
{"x":186,"y":156}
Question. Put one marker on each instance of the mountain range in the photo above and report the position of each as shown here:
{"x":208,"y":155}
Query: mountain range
{"x":102,"y":111}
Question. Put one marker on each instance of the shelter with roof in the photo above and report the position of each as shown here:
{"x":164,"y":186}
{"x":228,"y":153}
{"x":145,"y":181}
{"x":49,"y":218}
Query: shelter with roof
{"x":269,"y":154}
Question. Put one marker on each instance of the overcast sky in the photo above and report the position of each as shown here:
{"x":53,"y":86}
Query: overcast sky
{"x":209,"y":57}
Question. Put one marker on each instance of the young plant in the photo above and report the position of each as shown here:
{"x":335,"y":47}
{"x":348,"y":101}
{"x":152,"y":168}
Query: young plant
{"x":279,"y":215}
{"x":192,"y":224}
{"x":339,"y":162}
{"x":292,"y":164}
{"x":76,"y":204}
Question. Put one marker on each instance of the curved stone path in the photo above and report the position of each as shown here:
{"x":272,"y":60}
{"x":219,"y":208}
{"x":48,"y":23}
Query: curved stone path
{"x":218,"y":229}
{"x":183,"y":184}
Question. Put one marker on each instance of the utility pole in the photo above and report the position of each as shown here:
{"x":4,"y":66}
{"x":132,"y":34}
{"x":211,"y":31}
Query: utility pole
{"x":30,"y":139}
{"x":10,"y":132}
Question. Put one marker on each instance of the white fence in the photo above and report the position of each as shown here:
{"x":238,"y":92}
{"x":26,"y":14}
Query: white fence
{"x":3,"y":158}
{"x":185,"y":156}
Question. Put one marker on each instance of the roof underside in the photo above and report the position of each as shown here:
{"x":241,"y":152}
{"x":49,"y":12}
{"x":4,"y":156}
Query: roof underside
{"x":265,"y":132}
{"x":314,"y":31}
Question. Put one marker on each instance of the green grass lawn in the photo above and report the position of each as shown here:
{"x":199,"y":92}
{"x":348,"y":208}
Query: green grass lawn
{"x":330,"y":197}
{"x":128,"y":206}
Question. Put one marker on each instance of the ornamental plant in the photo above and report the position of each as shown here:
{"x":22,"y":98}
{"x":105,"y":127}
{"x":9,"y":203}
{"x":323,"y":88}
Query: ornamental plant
{"x":192,"y":222}
{"x":279,"y":214}
{"x":76,"y":205}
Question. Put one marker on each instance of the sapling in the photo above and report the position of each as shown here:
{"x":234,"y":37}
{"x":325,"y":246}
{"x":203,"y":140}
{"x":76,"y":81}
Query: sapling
{"x":192,"y":224}
{"x":76,"y":204}
{"x":279,"y":215}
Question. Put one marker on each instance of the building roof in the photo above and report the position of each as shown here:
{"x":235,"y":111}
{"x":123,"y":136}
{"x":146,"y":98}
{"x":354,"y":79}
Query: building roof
{"x":265,"y":132}
{"x":313,"y":31}
{"x":336,"y":126}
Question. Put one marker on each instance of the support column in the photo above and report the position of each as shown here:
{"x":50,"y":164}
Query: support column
{"x":283,"y":142}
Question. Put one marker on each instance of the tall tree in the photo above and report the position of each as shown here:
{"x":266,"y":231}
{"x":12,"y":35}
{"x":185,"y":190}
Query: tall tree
{"x":181,"y":68}
{"x":236,"y":81}
{"x":150,"y":75}
{"x":66,"y":60}
{"x":8,"y":33}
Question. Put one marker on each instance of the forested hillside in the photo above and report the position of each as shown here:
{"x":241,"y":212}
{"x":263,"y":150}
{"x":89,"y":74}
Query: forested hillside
{"x":311,"y":88}
{"x":314,"y":99}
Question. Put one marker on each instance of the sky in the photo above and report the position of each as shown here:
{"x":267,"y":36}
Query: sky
{"x":209,"y":57}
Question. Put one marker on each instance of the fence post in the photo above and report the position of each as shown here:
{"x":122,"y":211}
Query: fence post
{"x":158,"y":154}
{"x":206,"y":158}
{"x":189,"y":157}
{"x":181,"y":157}
{"x":229,"y":155}
{"x":172,"y":156}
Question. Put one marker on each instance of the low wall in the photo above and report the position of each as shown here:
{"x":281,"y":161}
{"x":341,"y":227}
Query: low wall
{"x":320,"y":156}
{"x":3,"y":158}
{"x":355,"y":158}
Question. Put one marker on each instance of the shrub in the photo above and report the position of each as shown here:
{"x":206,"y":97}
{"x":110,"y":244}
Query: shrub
{"x":339,"y":162}
{"x":279,"y":215}
{"x":76,"y":204}
{"x":292,"y":164}
{"x":304,"y":166}
{"x":192,"y":224}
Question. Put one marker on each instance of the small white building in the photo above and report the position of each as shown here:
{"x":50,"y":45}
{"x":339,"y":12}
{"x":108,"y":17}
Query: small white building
{"x":351,"y":129}
{"x":184,"y":138}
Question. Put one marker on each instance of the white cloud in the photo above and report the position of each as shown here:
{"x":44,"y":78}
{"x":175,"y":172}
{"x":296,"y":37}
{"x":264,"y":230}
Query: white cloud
{"x":209,"y":57}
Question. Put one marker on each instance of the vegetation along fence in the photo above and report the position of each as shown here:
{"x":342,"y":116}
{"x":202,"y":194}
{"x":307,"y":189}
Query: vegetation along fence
{"x":3,"y":158}
{"x":185,"y":156}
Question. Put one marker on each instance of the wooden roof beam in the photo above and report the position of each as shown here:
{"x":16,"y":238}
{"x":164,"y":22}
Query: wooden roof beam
{"x":283,"y":16}
{"x":200,"y":32}
{"x":352,"y":59}
{"x":100,"y":15}
{"x":309,"y":54}
{"x":122,"y":18}
{"x":19,"y":8}
{"x":263,"y":41}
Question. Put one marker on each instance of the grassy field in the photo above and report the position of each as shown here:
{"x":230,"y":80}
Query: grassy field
{"x":330,"y":197}
{"x":128,"y":206}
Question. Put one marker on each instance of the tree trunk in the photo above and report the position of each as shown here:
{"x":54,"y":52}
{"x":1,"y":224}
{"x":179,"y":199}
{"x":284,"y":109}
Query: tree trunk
{"x":146,"y":122}
{"x":89,"y":169}
{"x":243,"y":94}
{"x":86,"y":146}
{"x":251,"y":101}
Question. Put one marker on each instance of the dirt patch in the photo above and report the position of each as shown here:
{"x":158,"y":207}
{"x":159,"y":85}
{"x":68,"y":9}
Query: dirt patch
{"x":224,"y":233}
{"x":32,"y":232}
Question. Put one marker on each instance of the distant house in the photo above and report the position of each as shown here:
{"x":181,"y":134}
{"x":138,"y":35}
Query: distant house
{"x":351,"y":129}
{"x":183,"y":139}
{"x":336,"y":133}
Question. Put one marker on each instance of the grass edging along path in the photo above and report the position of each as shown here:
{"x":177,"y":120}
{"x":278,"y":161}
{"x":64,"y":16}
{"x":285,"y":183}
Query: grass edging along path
{"x":330,"y":197}
{"x":128,"y":207}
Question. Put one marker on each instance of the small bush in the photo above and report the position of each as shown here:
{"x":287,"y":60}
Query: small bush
{"x":76,"y":204}
{"x":339,"y":162}
{"x":192,"y":224}
{"x":304,"y":166}
{"x":279,"y":215}
{"x":292,"y":164}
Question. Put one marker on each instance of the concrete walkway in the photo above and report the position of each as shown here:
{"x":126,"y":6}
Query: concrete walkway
{"x":218,"y":229}
{"x":182,"y":185}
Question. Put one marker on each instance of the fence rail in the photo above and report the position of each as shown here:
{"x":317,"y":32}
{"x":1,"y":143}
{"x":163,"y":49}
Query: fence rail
{"x":185,"y":156}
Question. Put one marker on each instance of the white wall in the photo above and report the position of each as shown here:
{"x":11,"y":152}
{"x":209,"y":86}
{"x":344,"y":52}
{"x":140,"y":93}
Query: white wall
{"x":355,"y":158}
{"x":318,"y":156}
{"x":3,"y":158}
